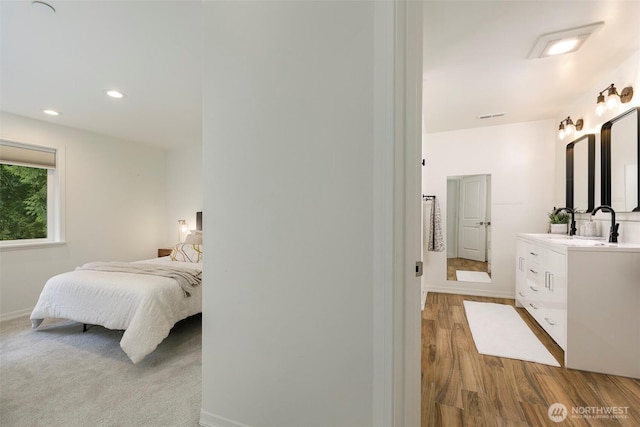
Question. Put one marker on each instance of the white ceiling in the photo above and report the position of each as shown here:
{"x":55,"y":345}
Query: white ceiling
{"x":475,"y":58}
{"x":475,"y":62}
{"x":150,"y":50}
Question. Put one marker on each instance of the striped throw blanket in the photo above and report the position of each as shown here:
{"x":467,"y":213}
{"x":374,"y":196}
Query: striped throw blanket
{"x":187,"y":278}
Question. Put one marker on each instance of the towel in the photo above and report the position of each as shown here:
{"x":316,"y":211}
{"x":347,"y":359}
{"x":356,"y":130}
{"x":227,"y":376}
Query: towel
{"x":433,"y":240}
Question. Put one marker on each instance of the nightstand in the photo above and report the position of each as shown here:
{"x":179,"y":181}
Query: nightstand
{"x":164,"y":252}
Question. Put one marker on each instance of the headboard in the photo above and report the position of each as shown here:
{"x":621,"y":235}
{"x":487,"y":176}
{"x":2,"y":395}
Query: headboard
{"x":199,"y":221}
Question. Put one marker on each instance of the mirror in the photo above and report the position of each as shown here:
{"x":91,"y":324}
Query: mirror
{"x":580,"y":173}
{"x":469,"y":228}
{"x":620,"y":140}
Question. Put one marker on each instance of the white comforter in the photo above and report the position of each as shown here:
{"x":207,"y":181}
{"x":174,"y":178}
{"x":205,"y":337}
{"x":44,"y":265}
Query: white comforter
{"x":145,"y":306}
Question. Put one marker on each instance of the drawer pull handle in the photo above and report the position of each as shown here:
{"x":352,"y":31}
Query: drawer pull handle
{"x":533,"y":306}
{"x":549,"y":321}
{"x":521,"y":294}
{"x":533,"y":271}
{"x":533,"y":253}
{"x":533,"y":289}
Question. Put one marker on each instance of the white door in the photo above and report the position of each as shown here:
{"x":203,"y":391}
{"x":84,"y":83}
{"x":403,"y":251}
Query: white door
{"x":472,"y":243}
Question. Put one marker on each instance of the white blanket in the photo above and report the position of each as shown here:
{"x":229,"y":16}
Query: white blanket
{"x":145,"y":306}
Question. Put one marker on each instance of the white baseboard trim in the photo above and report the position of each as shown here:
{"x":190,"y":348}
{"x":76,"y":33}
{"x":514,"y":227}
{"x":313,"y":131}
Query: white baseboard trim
{"x":474,"y":292}
{"x":207,"y":419}
{"x":15,"y":314}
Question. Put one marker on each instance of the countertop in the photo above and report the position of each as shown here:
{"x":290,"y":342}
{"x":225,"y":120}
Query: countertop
{"x":564,"y":243}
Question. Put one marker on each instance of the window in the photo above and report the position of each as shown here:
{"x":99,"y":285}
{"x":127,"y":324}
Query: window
{"x":30,"y":194}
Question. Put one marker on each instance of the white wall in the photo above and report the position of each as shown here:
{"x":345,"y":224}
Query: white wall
{"x":288,"y":143}
{"x":184,"y":188}
{"x":115,"y":208}
{"x":627,"y":74}
{"x":520,"y":159}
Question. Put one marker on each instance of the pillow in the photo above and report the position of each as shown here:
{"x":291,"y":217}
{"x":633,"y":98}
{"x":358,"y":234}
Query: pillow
{"x":194,"y":238}
{"x":186,"y":252}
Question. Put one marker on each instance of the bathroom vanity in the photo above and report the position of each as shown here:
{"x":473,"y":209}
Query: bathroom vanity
{"x":586,"y":295}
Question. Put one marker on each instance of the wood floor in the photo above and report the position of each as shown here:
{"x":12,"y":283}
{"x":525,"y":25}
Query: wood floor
{"x":454,"y":264}
{"x":461,"y":387}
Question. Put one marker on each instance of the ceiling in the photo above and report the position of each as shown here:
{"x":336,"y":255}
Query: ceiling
{"x":475,"y":58}
{"x":65,"y":61}
{"x":475,"y":63}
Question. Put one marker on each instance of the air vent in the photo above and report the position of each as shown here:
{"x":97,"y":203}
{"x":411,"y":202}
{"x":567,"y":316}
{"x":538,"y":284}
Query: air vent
{"x":491,"y":116}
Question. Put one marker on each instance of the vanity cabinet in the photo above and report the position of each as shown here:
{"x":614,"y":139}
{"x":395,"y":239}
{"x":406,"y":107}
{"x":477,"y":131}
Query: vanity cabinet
{"x":541,"y":288}
{"x":586,"y":295}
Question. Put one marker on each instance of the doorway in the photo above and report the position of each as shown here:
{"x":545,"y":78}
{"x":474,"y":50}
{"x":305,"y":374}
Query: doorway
{"x":469,"y":228}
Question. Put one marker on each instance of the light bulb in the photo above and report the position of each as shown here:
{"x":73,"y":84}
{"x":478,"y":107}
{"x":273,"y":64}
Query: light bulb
{"x":613,"y":100}
{"x":600,"y":105}
{"x":561,"y":133}
{"x":569,"y":129}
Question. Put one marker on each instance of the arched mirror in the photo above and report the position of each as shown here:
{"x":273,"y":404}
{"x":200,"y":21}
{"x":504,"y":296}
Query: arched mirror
{"x":620,"y":145}
{"x":580,"y":158}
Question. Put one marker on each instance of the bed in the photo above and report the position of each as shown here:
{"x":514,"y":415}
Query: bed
{"x":128,"y":296}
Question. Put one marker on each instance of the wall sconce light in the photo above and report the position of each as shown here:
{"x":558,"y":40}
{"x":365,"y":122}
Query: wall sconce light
{"x":568,"y":128}
{"x":182,"y":228}
{"x":613,"y":98}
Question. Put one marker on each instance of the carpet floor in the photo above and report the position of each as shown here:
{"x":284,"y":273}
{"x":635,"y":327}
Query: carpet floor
{"x":59,"y":376}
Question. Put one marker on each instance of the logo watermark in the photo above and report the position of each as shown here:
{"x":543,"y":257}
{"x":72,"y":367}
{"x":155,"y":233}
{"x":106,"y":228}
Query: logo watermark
{"x":558,"y":412}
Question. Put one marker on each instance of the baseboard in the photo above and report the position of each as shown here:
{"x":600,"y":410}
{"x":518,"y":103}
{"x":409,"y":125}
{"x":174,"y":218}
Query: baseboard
{"x":15,"y":314}
{"x":474,"y":292}
{"x":207,"y":419}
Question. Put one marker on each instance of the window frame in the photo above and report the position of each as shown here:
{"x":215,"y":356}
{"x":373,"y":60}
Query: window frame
{"x":55,"y":201}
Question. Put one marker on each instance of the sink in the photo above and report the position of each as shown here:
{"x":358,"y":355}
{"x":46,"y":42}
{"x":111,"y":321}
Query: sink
{"x":565,"y":239}
{"x":584,"y":242}
{"x":550,"y":236}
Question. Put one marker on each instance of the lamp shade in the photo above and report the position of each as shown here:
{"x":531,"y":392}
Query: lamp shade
{"x":600,"y":106}
{"x":613,"y":100}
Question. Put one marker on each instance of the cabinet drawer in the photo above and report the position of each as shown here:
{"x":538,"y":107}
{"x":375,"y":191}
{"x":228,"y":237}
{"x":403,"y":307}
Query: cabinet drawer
{"x":535,"y":274}
{"x":534,"y":254}
{"x":536,"y":310}
{"x":553,"y":322}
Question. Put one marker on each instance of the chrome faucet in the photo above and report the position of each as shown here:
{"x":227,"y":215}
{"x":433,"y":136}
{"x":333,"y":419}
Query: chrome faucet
{"x":613,"y":231}
{"x":572,"y":229}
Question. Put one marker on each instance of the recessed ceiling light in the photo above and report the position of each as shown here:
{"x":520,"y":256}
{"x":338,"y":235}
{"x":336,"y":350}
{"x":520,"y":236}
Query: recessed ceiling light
{"x":562,"y":46}
{"x":565,"y":41}
{"x":115,"y":94}
{"x":51,"y":112}
{"x":45,"y":7}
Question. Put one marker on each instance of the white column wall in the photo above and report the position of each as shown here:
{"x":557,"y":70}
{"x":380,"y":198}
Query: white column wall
{"x":288,"y":144}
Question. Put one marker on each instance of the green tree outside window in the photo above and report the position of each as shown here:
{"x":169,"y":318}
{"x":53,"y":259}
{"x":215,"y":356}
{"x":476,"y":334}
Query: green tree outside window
{"x":23,"y":202}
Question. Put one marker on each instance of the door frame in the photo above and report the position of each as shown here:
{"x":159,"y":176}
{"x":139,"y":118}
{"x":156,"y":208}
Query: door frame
{"x":397,"y":213}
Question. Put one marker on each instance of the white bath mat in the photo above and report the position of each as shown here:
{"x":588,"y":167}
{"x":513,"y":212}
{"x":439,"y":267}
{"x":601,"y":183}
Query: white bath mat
{"x":472,"y":276}
{"x":498,"y":330}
